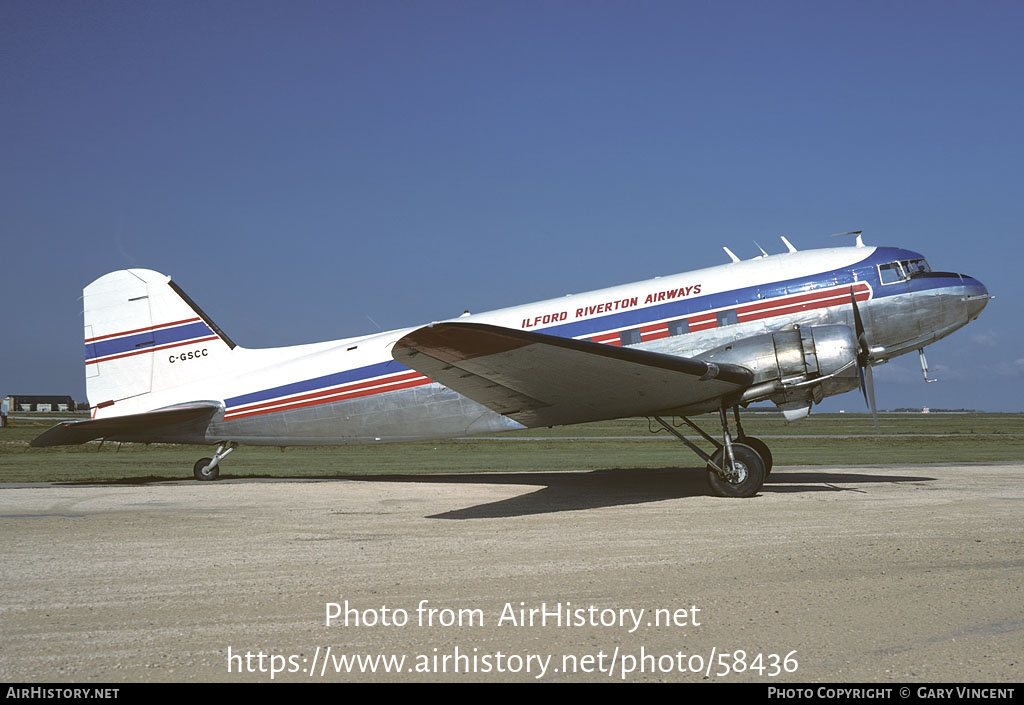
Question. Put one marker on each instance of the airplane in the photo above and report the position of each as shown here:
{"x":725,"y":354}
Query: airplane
{"x":790,"y":328}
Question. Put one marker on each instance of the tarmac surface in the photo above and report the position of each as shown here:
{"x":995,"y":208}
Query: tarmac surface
{"x":859,"y":574}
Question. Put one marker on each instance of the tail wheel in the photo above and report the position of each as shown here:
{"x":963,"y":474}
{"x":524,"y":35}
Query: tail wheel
{"x":743,"y":478}
{"x":761,"y":448}
{"x":203,"y":471}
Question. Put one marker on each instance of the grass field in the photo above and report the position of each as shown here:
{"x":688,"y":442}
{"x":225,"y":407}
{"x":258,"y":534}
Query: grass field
{"x":822,"y":439}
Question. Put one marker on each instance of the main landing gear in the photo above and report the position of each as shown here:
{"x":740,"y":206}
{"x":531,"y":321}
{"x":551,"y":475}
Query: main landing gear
{"x":738,"y":467}
{"x":209,"y":468}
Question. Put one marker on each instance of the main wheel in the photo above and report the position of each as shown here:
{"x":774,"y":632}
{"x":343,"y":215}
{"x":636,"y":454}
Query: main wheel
{"x":745,"y":477}
{"x":203,"y":472}
{"x":761,"y":448}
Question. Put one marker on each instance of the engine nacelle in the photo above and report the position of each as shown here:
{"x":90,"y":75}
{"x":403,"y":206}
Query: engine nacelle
{"x":795,"y":367}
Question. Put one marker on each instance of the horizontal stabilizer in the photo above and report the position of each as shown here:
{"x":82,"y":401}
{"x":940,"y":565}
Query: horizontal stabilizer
{"x":544,"y":380}
{"x":181,"y":424}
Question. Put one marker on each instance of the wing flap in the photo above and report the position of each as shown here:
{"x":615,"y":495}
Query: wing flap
{"x":544,"y":380}
{"x":180,"y":423}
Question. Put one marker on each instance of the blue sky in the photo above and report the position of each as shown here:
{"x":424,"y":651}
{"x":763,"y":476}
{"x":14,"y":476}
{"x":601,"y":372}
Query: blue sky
{"x":314,"y":170}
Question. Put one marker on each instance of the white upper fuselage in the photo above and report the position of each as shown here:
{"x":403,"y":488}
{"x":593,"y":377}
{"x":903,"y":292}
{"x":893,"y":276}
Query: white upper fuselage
{"x":267,"y":393}
{"x":599,"y":315}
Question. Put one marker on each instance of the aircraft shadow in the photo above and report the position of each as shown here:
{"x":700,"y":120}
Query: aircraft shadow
{"x":564,"y":492}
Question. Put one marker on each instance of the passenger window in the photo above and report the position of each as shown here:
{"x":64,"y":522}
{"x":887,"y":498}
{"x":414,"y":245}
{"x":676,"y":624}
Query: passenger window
{"x":630,"y":337}
{"x":680,"y":327}
{"x":726,"y":318}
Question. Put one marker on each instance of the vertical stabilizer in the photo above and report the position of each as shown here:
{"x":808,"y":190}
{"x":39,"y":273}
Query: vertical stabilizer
{"x":144,"y":335}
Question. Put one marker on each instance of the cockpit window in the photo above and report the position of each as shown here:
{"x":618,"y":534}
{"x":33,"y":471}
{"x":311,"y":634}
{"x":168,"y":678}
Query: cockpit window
{"x":916,"y":266}
{"x":893,"y":272}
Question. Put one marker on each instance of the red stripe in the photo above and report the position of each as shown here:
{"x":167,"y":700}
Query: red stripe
{"x":656,"y":331}
{"x":379,"y":381}
{"x":806,"y":306}
{"x":142,"y":330}
{"x":801,"y":298}
{"x":337,"y":397}
{"x":834,"y":296}
{"x":149,"y":350}
{"x":654,"y":334}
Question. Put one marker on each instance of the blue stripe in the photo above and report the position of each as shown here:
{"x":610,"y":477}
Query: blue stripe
{"x":866,"y":271}
{"x":148,"y":339}
{"x":333,"y":380}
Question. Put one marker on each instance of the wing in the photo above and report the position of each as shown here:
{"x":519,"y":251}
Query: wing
{"x":185,"y":423}
{"x":544,"y":380}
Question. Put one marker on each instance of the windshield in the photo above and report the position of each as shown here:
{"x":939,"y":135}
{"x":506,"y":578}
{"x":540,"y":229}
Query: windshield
{"x":916,"y":266}
{"x":893,"y":272}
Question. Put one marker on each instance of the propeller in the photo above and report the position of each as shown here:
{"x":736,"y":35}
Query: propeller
{"x":867,"y":378}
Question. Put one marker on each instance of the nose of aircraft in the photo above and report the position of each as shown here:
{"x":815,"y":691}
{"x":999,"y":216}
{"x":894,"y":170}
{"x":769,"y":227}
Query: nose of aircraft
{"x":977,"y":297}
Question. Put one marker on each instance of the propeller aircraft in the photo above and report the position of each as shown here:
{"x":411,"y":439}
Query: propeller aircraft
{"x":790,"y":328}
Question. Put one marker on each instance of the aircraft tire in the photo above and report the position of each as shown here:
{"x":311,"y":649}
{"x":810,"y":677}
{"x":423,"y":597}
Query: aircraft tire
{"x":200,"y":471}
{"x":751,"y":469}
{"x":761,"y":448}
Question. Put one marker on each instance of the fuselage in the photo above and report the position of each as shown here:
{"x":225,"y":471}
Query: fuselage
{"x":353,"y":391}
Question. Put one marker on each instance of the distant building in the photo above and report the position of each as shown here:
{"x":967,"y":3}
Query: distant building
{"x":39,"y":403}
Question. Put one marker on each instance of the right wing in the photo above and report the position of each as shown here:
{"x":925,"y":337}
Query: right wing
{"x":545,"y":380}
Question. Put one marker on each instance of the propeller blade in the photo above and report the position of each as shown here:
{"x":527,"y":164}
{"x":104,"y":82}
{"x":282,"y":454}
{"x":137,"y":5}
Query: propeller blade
{"x":867,"y":377}
{"x":871,"y":393}
{"x":864,"y":354}
{"x":857,"y":321}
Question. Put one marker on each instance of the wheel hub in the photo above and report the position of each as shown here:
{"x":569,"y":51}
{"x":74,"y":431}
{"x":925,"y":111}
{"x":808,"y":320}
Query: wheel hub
{"x":738,"y":473}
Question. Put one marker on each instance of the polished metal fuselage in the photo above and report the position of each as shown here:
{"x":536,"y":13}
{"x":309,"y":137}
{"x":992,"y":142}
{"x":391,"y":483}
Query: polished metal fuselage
{"x":898,"y":318}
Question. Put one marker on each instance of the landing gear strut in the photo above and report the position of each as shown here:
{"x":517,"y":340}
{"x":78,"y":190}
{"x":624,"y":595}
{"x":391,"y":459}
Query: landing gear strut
{"x":209,"y":468}
{"x":759,"y":446}
{"x":735,"y":469}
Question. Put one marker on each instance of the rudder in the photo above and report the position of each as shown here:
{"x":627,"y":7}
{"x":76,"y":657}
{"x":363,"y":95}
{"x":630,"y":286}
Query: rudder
{"x":142,"y":335}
